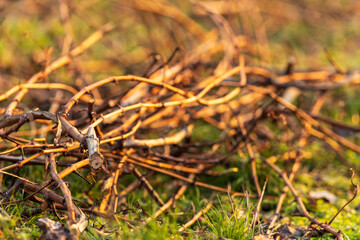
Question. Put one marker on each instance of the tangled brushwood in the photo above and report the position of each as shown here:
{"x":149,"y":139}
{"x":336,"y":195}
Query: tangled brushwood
{"x":143,"y":126}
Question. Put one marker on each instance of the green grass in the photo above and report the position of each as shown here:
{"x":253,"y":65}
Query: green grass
{"x":231,"y":221}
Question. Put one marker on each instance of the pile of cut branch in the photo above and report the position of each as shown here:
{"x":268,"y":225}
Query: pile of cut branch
{"x":144,"y":127}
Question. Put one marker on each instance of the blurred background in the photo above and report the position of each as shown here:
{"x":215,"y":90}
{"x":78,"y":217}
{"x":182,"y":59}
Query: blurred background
{"x":31,"y":30}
